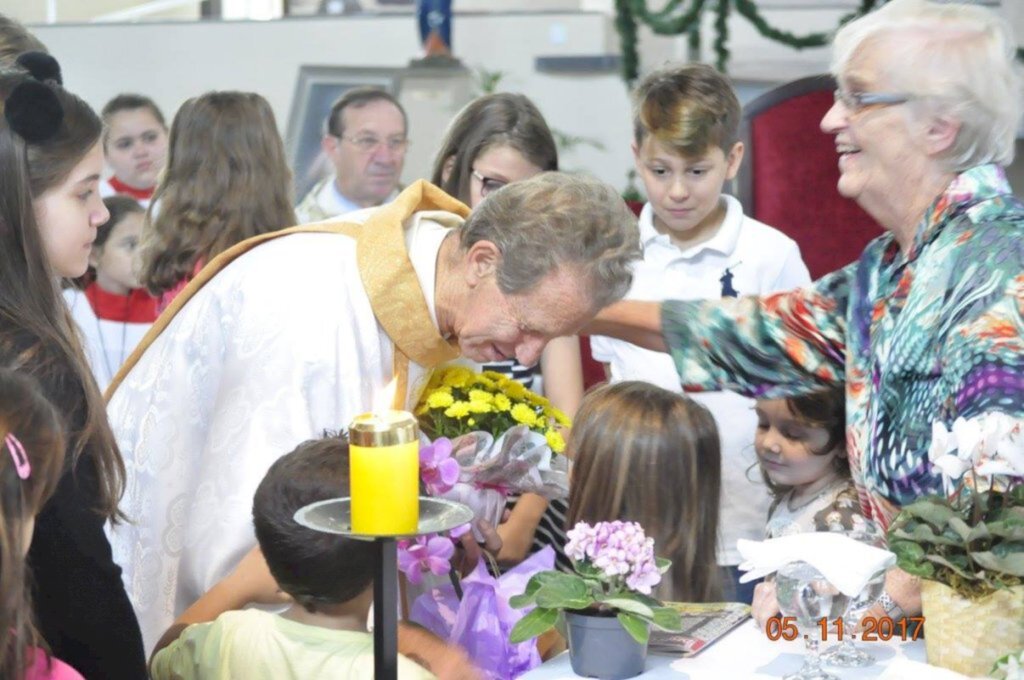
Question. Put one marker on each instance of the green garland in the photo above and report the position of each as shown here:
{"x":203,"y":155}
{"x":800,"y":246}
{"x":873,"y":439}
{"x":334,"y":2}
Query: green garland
{"x":664,"y":24}
{"x":721,"y":35}
{"x":630,"y":12}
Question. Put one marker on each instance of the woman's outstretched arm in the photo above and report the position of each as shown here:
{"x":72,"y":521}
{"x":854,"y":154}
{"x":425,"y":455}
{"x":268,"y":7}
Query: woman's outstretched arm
{"x":630,"y":320}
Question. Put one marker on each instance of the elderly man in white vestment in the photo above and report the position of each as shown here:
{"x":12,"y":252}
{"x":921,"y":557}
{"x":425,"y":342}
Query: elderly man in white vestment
{"x":299,"y":331}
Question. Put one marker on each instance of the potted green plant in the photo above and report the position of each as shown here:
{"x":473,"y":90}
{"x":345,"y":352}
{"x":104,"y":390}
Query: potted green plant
{"x":606,"y":601}
{"x":968,"y":544}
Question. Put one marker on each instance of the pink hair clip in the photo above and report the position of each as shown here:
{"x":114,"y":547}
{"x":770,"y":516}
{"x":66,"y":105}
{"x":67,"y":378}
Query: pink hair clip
{"x":21,"y":464}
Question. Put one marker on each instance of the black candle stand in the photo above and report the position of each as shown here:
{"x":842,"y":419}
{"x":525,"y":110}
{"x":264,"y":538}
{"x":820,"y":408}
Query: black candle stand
{"x":334,"y":516}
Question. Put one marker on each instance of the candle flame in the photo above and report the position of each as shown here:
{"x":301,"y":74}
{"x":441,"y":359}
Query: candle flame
{"x":385,"y":399}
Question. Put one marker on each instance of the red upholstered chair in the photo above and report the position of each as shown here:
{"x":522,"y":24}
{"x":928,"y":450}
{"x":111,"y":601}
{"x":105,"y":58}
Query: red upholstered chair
{"x":593,"y":370}
{"x":789,"y":174}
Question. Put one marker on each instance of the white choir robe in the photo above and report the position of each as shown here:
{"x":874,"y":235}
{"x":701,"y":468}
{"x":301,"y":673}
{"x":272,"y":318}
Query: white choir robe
{"x":277,"y":347}
{"x":106,"y":343}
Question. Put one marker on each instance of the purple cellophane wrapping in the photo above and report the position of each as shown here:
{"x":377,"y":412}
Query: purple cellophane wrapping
{"x":482,"y":621}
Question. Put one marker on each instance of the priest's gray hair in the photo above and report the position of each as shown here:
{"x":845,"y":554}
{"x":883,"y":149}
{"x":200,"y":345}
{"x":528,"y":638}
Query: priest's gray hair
{"x":554,"y":220}
{"x":956,"y":61}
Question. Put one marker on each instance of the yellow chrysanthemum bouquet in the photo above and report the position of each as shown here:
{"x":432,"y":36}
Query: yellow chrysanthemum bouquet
{"x":504,"y":438}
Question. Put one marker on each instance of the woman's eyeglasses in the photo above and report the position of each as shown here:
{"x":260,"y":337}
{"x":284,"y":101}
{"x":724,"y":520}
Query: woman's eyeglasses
{"x":855,"y":102}
{"x":488,"y":184}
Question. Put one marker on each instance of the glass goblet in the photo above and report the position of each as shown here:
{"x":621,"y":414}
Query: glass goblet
{"x":846,"y":654}
{"x":806,"y":595}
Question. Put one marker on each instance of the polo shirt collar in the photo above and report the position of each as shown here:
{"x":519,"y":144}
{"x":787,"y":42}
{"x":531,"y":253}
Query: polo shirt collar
{"x":724,"y":241}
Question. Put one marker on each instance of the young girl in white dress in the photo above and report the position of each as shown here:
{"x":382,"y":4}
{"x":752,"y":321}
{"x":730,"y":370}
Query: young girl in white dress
{"x":113,"y":311}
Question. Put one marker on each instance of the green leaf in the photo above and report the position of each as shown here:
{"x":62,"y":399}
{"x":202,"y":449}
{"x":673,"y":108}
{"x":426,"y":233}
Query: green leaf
{"x":1012,"y":564}
{"x":1008,"y":548}
{"x":662,"y":564}
{"x":535,"y":623}
{"x":528,"y":596}
{"x":667,"y":618}
{"x":978,"y":532}
{"x":934,"y":510}
{"x":638,"y":629}
{"x":627,"y":604}
{"x":567,"y":591}
{"x":587,"y":570}
{"x":961,"y":528}
{"x":1011,"y":529}
{"x":907,"y":551}
{"x":922,"y":569}
{"x":958,"y":569}
{"x":923,"y":533}
{"x":646,"y":599}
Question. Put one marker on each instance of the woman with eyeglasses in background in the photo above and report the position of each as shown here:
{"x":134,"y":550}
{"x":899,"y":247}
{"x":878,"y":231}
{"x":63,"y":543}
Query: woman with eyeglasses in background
{"x":498,"y":139}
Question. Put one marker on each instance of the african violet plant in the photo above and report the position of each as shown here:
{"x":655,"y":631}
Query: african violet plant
{"x":615,"y":572}
{"x":971,"y":539}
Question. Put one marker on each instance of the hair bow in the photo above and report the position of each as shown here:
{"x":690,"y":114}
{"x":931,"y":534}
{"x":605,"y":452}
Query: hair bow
{"x":32,"y":109}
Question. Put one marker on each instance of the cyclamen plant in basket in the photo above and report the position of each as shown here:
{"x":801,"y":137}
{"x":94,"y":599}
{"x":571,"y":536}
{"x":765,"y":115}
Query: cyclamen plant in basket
{"x":968,"y":544}
{"x":615,"y":571}
{"x":971,"y":539}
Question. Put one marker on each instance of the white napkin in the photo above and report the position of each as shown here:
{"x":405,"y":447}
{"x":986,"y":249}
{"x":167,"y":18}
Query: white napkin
{"x":846,"y":563}
{"x":905,"y":669}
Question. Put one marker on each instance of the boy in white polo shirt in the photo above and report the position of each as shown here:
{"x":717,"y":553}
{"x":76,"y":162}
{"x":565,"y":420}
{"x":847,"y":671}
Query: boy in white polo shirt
{"x":698,"y":244}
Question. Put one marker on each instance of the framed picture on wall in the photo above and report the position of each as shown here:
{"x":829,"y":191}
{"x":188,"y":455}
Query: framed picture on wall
{"x":316,"y":90}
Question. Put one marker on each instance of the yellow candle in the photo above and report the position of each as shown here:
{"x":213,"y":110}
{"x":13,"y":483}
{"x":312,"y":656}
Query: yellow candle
{"x":384,"y":473}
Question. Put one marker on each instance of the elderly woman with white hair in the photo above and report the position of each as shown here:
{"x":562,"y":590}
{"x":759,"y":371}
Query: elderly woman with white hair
{"x":927,"y":324}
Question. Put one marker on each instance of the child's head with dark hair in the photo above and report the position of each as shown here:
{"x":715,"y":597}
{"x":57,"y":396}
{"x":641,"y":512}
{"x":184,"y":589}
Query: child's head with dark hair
{"x":113,"y":256}
{"x":801,"y":441}
{"x":316,"y":569}
{"x":31,"y":460}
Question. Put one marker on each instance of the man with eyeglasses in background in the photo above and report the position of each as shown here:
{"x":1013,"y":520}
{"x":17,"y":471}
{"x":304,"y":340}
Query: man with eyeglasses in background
{"x":365,"y":140}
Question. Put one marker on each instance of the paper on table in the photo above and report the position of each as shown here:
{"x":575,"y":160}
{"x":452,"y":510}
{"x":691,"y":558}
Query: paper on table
{"x":846,"y":563}
{"x":905,"y":669}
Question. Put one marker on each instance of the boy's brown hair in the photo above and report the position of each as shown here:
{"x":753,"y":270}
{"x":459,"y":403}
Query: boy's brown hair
{"x":689,"y":109}
{"x":315,"y":568}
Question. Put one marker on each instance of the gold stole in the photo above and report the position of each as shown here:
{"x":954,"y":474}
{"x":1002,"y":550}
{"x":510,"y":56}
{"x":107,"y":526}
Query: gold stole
{"x":385,"y":269}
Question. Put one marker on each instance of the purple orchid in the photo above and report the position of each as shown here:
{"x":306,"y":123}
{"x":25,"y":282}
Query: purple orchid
{"x":438,"y":470}
{"x":431,"y":553}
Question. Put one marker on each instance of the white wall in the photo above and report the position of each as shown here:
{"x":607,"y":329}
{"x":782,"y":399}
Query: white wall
{"x":173,"y":61}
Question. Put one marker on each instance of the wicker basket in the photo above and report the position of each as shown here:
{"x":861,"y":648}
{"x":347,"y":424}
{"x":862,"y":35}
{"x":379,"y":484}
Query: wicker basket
{"x":967,"y":636}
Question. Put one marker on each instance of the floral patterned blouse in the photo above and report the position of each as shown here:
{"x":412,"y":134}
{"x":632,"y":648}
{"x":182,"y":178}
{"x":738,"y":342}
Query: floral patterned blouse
{"x":935,"y":334}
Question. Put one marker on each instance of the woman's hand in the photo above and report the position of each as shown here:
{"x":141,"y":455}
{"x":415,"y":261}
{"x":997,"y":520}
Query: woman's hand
{"x":468,"y":552}
{"x":765,"y":604}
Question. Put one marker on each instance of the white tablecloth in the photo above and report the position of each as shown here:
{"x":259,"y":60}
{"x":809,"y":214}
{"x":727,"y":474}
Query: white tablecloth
{"x":747,"y":653}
